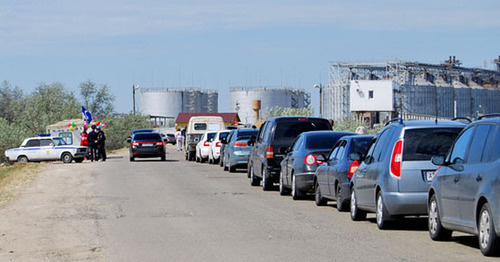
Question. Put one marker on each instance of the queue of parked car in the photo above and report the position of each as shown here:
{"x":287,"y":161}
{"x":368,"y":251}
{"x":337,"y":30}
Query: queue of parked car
{"x":445,"y":169}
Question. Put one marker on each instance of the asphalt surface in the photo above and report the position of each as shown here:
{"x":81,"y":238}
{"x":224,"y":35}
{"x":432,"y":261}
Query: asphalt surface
{"x":149,"y":210}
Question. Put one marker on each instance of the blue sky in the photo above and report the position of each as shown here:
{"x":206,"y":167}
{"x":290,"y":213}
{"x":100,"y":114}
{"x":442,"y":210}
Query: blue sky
{"x":225,"y":43}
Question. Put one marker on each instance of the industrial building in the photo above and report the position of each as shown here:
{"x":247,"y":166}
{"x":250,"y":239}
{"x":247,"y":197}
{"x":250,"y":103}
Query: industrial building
{"x":242,"y":98}
{"x":168,"y":103}
{"x":378,"y":91}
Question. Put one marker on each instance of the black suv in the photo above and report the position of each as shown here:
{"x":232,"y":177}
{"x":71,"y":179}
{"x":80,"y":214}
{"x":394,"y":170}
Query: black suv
{"x":276,"y":135}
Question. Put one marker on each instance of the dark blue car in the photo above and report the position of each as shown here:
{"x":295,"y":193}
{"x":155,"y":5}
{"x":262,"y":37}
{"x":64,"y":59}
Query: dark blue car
{"x":300,"y":162}
{"x":331,"y":181}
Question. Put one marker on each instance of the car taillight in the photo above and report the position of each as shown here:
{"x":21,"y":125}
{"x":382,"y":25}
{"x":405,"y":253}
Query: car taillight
{"x":159,"y":143}
{"x":240,"y":144}
{"x":270,"y":152}
{"x":218,"y":144}
{"x":206,"y":143}
{"x":310,"y":159}
{"x":135,"y":144}
{"x":352,"y":168}
{"x":302,"y":119}
{"x":396,"y":159}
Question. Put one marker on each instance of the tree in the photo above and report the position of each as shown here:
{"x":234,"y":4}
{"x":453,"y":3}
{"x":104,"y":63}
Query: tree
{"x":286,"y":111}
{"x":119,"y":127}
{"x":9,"y":101}
{"x":47,"y":105}
{"x":98,"y":100}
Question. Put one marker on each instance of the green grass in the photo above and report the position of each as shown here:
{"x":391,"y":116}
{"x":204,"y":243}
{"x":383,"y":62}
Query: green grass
{"x":14,"y":177}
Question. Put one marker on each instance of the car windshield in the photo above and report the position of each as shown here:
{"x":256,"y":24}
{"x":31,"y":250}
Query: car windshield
{"x":324,"y":141}
{"x":147,"y":137}
{"x":59,"y":141}
{"x":287,"y":131}
{"x":422,"y":144}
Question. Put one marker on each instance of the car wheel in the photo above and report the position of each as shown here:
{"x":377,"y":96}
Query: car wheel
{"x":254,"y":181}
{"x":382,"y":216}
{"x":266,"y":183}
{"x":488,"y":240}
{"x":356,"y":214}
{"x":248,"y":171}
{"x":163,"y":157}
{"x":186,"y":156}
{"x":318,"y":198}
{"x":341,"y":203}
{"x":232,"y":169}
{"x":202,"y":159}
{"x":210,"y":161}
{"x":296,"y":194}
{"x":67,"y":158}
{"x":221,"y":163}
{"x":132,"y":159}
{"x":225,"y":164}
{"x":283,"y":190}
{"x":22,"y":159}
{"x":436,"y":229}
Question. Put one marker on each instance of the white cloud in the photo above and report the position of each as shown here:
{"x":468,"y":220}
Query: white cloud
{"x":25,"y":21}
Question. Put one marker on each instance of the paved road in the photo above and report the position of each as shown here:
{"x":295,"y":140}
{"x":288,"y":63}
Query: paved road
{"x":150,"y":210}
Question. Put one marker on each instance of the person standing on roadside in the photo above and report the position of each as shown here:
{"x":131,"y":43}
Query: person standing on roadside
{"x":101,"y":138}
{"x":179,"y":138}
{"x":92,"y":138}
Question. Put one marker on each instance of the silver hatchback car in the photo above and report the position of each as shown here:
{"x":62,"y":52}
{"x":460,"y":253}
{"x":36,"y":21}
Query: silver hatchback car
{"x":394,"y":178}
{"x":465,"y":193}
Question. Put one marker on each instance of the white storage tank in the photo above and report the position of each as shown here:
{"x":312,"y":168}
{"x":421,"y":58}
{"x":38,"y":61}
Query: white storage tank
{"x":161,"y":102}
{"x":242,"y":97}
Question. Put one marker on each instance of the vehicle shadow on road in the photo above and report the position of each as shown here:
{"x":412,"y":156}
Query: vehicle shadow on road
{"x":156,"y":160}
{"x":406,"y":224}
{"x":470,"y":241}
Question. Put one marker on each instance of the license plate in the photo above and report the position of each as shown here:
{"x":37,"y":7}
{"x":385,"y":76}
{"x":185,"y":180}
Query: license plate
{"x":147,"y":145}
{"x":429,"y":175}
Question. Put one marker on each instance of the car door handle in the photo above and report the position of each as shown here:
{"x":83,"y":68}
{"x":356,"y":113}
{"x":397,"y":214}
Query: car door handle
{"x":456,"y":179}
{"x":479,"y":178}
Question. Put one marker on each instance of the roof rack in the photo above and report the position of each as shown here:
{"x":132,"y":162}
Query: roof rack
{"x":461,"y":118}
{"x":489,"y":116}
{"x":399,"y":119}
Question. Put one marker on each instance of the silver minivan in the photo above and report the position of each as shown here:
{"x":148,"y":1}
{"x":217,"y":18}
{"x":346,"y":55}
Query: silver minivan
{"x":394,"y":177}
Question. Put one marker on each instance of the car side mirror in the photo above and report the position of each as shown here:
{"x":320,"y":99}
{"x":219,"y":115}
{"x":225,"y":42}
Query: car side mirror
{"x":129,"y":140}
{"x":283,"y":150}
{"x":320,"y":158}
{"x":355,"y":157}
{"x":223,"y":140}
{"x":368,"y":159}
{"x":250,"y":142}
{"x":165,"y":140}
{"x":438,"y":160}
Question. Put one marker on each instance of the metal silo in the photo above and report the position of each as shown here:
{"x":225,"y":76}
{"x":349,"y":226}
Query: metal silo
{"x":212,"y":105}
{"x":242,"y":97}
{"x":161,"y":102}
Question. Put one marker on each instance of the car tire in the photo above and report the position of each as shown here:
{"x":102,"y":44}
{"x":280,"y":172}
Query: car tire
{"x":221,"y":163}
{"x":132,"y":159}
{"x":22,"y":159}
{"x":488,"y":240}
{"x":283,"y":190}
{"x":254,"y":181}
{"x":163,"y":157}
{"x":66,"y":158}
{"x":356,"y":214}
{"x":202,"y":159}
{"x":232,"y":169}
{"x":225,"y":164}
{"x":341,"y":203}
{"x":318,"y":198}
{"x":266,"y":183}
{"x":296,"y":194}
{"x":210,"y":161}
{"x":382,"y":215}
{"x":436,"y":230}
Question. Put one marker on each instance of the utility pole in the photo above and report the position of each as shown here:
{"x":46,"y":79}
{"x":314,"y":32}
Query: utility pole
{"x":320,"y":87}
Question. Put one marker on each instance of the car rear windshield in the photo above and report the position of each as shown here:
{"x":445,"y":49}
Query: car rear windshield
{"x":326,"y":141}
{"x":360,"y":146}
{"x":147,"y":137}
{"x":210,"y":136}
{"x":287,"y":131}
{"x":223,"y":135}
{"x":200,"y":126}
{"x":422,"y":144}
{"x":247,"y":134}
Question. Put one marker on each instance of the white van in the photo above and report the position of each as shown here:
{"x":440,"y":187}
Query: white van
{"x":196,"y":127}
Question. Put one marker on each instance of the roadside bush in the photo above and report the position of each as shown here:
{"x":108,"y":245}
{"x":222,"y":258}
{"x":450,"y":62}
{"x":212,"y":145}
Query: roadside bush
{"x":351,"y":123}
{"x":11,"y":135}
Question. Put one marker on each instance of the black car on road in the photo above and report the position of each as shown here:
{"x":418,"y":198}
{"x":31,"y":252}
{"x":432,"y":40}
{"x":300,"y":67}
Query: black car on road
{"x":147,"y":145}
{"x":276,"y":135}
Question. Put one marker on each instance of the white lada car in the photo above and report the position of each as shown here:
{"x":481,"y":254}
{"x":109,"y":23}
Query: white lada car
{"x":46,"y":148}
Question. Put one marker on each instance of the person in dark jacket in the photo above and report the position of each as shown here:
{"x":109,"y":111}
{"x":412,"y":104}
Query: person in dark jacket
{"x":101,"y":138}
{"x":92,"y":138}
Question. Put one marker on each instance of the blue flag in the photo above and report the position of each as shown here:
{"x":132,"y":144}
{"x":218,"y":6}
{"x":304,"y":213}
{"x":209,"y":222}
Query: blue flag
{"x":86,"y":115}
